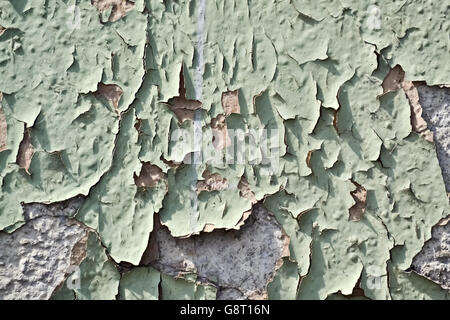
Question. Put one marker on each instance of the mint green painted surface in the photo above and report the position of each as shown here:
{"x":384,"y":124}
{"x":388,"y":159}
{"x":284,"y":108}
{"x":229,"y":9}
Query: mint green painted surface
{"x":310,"y":69}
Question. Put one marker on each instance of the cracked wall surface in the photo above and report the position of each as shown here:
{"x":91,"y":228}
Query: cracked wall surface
{"x":302,"y":154}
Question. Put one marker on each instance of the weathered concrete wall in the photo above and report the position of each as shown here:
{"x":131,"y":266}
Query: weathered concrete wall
{"x":35,"y":259}
{"x":145,"y":153}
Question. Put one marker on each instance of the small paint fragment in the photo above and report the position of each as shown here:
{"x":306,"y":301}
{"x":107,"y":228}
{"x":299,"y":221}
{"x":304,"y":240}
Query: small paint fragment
{"x":444,"y":221}
{"x":245,"y":216}
{"x":418,"y":123}
{"x":308,"y":159}
{"x":208,"y":227}
{"x":393,"y":80}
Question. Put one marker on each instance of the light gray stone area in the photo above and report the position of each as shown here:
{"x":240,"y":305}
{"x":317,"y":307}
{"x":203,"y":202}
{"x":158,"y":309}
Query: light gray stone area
{"x":433,"y":262}
{"x":435,"y":102}
{"x":240,"y":263}
{"x":35,"y":258}
{"x":58,"y":209}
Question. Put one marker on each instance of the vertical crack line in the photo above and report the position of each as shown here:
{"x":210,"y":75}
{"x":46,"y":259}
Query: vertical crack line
{"x":198,"y":85}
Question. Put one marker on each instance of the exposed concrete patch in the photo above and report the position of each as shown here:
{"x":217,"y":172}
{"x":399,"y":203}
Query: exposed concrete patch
{"x":239,"y":263}
{"x":433,"y":262}
{"x":435,"y":102}
{"x":35,"y":258}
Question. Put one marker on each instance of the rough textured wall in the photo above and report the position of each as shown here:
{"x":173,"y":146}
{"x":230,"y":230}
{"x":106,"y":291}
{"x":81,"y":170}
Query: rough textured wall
{"x":224,"y":149}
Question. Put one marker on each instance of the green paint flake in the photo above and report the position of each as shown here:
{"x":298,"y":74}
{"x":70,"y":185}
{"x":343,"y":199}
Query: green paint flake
{"x":184,"y":289}
{"x":223,"y":209}
{"x":411,"y":286}
{"x":55,"y":64}
{"x":285,"y":283}
{"x":124,"y":221}
{"x":140,"y":284}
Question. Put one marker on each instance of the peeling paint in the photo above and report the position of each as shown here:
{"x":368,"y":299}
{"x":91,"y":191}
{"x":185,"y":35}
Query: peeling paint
{"x":144,"y":107}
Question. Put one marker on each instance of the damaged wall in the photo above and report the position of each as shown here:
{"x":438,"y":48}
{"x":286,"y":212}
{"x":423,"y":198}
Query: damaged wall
{"x":145,"y":153}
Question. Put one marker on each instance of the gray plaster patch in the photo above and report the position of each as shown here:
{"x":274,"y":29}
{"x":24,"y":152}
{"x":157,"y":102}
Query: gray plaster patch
{"x":433,"y":262}
{"x":240,"y":263}
{"x":34,"y":259}
{"x":435,"y":102}
{"x":65,"y":208}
